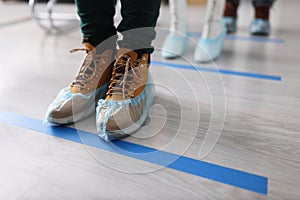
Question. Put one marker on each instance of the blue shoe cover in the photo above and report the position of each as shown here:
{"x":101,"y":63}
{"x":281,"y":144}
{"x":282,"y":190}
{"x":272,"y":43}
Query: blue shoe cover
{"x":118,"y":119}
{"x":68,"y":108}
{"x":174,"y":45}
{"x":260,"y":27}
{"x":210,"y":49}
{"x":230,"y":23}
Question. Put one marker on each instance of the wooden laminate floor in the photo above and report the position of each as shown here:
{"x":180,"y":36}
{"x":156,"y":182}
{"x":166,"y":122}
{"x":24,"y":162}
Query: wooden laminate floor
{"x":253,"y":103}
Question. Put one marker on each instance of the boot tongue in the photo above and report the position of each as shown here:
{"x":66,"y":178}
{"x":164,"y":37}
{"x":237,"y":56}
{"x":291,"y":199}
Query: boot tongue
{"x":129,"y":52}
{"x":132,"y":54}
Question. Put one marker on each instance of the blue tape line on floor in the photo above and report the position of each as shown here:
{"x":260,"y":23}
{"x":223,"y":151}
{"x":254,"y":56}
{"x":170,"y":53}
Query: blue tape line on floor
{"x":192,"y":166}
{"x":221,"y":71}
{"x":245,"y":38}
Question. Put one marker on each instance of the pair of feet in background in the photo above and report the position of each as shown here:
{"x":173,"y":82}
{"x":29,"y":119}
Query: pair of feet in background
{"x":209,"y":48}
{"x":260,"y":25}
{"x":116,"y":87}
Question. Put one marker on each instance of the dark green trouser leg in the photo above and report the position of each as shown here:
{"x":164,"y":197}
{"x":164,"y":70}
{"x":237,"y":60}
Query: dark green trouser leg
{"x":97,"y":21}
{"x":96,"y":17}
{"x":138,"y":14}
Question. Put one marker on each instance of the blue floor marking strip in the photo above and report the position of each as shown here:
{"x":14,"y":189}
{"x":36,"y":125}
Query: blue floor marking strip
{"x":233,"y":177}
{"x":245,"y":38}
{"x":221,"y":71}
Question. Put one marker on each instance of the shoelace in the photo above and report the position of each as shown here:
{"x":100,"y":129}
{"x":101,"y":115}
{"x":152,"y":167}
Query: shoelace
{"x":124,"y":73}
{"x":88,"y":67}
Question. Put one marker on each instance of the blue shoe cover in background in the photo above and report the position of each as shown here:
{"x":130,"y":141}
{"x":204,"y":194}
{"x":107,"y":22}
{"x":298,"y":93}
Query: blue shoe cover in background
{"x":174,"y":45}
{"x":260,"y":27}
{"x":210,"y":49}
{"x":230,"y":23}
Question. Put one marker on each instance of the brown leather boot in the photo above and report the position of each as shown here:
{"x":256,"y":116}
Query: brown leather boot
{"x":77,"y":101}
{"x":129,"y":96}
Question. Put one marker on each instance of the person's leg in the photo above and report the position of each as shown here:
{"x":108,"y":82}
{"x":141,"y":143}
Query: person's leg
{"x":231,"y":7}
{"x":131,"y":93}
{"x":268,"y":3}
{"x":210,"y":44}
{"x":77,"y":101}
{"x":136,"y":15}
{"x":176,"y":41}
{"x":213,"y":19}
{"x":262,"y":8}
{"x":230,"y":15}
{"x":96,"y":19}
{"x":261,"y":25}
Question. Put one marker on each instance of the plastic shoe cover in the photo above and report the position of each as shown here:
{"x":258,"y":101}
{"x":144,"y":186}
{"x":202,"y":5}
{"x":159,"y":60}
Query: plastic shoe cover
{"x":210,"y":49}
{"x":176,"y":42}
{"x":118,"y":119}
{"x":77,"y":101}
{"x":174,"y":45}
{"x":230,"y":23}
{"x":79,"y":106}
{"x":260,"y":27}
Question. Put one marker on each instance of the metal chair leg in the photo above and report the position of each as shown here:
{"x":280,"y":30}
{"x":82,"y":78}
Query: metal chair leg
{"x":47,"y":20}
